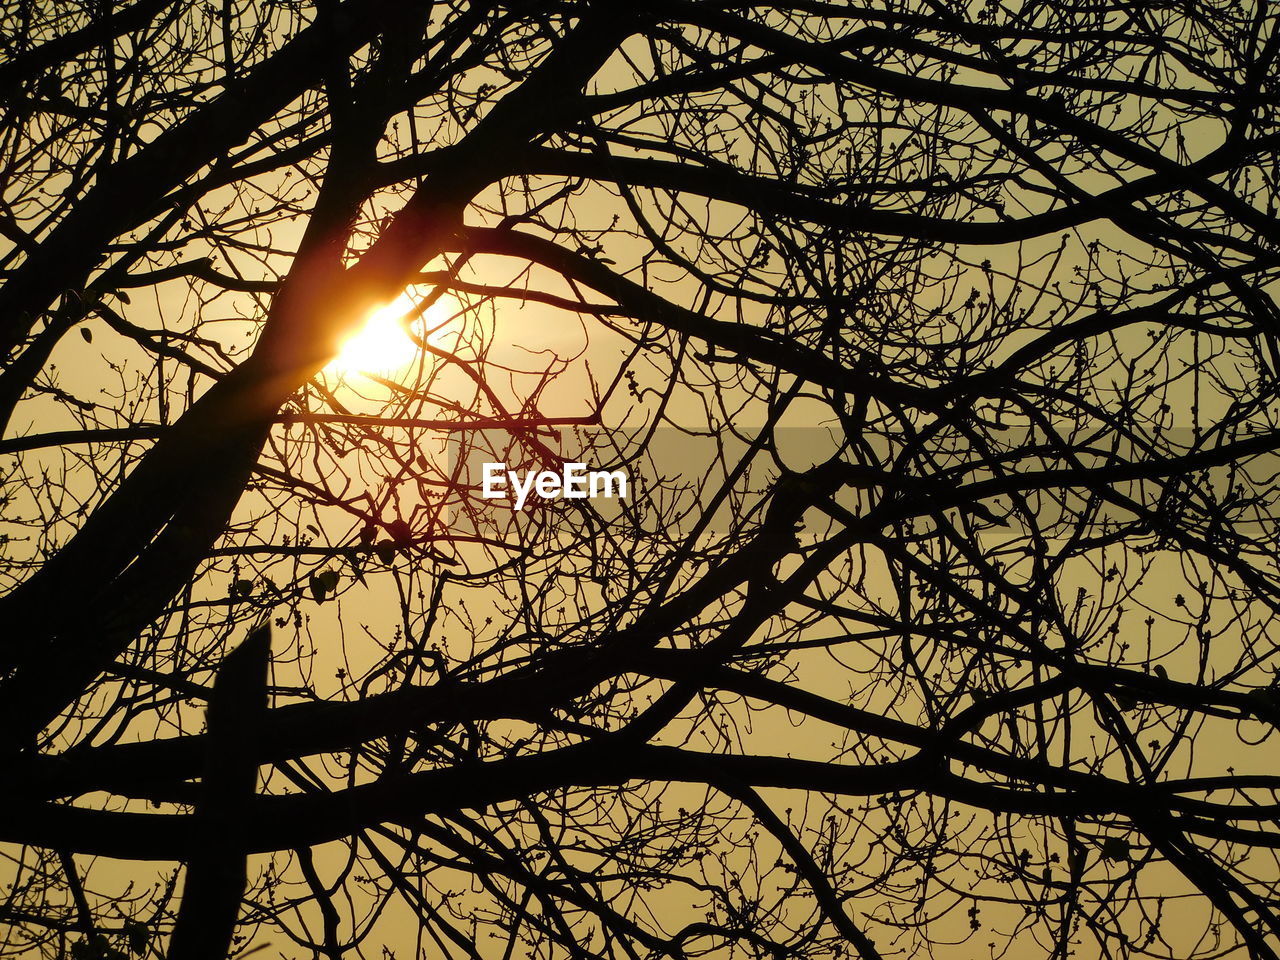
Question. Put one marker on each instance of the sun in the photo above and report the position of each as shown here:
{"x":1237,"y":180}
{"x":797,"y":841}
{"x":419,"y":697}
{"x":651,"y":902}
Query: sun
{"x":382,"y":346}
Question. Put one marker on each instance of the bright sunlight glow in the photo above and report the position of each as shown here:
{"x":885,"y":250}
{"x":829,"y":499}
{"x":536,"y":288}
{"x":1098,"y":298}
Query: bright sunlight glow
{"x":382,"y":346}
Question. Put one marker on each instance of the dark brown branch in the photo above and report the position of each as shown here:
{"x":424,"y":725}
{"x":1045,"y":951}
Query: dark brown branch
{"x":216,"y":865}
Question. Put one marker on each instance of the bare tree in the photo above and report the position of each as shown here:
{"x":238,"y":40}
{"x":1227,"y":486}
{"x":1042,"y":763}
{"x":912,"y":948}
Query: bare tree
{"x":938,"y":342}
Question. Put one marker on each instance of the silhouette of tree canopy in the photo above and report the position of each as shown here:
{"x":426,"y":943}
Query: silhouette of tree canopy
{"x":938,"y":339}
